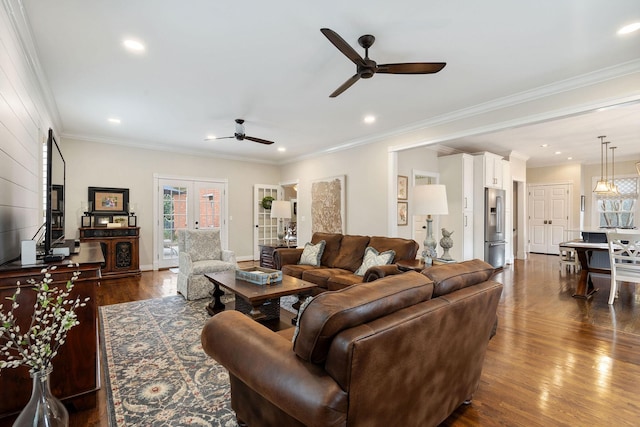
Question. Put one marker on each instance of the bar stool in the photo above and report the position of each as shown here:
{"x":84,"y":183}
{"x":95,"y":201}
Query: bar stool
{"x":569,"y":258}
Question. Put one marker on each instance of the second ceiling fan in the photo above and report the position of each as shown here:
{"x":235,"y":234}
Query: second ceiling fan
{"x":240,"y":135}
{"x":366,"y":67}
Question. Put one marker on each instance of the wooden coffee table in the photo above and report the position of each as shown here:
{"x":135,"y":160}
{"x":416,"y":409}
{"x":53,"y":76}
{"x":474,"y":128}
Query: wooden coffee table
{"x":262,"y":301}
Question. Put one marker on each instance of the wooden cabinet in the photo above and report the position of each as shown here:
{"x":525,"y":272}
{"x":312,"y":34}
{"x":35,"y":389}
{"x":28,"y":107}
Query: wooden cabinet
{"x":456,"y":172}
{"x":488,"y":167}
{"x":266,"y":255}
{"x":76,"y":368}
{"x":120,"y":247}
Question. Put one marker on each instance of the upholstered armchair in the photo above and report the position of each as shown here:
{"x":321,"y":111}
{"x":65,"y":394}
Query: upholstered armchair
{"x":200,"y":252}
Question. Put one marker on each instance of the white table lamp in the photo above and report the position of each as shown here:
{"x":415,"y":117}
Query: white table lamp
{"x":281,"y":209}
{"x":430,"y":200}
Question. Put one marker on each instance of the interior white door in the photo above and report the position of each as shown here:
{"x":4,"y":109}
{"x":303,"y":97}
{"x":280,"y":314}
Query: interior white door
{"x":190,"y":204}
{"x":548,"y":217}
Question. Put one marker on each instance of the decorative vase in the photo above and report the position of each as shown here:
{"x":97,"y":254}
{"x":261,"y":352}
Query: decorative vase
{"x":43,"y":409}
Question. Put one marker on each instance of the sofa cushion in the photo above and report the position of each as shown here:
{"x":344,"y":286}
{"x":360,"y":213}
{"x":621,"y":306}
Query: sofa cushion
{"x":211,"y":266}
{"x":341,"y":281}
{"x":404,"y":248}
{"x":452,"y":277}
{"x":351,"y":252}
{"x":331,"y":312}
{"x":296,"y":270}
{"x":332,"y":247}
{"x":373,"y":258}
{"x":320,"y":276}
{"x":312,"y":253}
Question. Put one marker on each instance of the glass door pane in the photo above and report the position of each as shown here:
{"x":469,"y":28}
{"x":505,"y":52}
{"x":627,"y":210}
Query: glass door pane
{"x":174,"y":217}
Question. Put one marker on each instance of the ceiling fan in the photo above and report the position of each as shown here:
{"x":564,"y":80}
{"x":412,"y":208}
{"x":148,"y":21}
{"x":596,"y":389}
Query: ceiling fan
{"x":240,"y":135}
{"x":366,"y":67}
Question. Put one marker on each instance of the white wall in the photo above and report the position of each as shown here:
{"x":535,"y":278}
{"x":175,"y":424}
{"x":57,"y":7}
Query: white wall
{"x":24,"y":123}
{"x":423,"y":159}
{"x":365,"y":168}
{"x":581,"y":177}
{"x":565,"y":174}
{"x":91,"y":164}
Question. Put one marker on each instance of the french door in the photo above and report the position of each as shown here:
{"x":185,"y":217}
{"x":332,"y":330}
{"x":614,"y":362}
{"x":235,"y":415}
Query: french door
{"x":265,"y":230}
{"x":186,"y":203}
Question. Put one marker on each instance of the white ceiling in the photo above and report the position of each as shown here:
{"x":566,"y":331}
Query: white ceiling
{"x":210,"y":62}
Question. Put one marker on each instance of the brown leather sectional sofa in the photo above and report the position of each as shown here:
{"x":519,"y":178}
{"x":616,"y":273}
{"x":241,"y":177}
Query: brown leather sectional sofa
{"x":342,"y":256}
{"x":404,"y":350}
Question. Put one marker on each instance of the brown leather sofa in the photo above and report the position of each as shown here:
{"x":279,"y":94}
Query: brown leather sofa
{"x":405,"y":350}
{"x":342,"y":256}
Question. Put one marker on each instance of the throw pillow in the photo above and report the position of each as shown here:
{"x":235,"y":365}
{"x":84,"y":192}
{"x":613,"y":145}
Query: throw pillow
{"x":301,"y":309}
{"x":312,"y":254}
{"x":373,"y":258}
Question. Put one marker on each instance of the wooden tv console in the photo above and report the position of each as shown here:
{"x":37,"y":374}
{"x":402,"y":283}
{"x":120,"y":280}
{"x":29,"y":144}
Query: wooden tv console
{"x":76,"y":368}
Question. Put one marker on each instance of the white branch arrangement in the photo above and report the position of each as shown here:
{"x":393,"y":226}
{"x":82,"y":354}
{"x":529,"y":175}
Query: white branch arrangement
{"x":53,"y":316}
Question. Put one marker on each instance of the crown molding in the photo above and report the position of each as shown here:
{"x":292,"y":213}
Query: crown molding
{"x":163,"y":148}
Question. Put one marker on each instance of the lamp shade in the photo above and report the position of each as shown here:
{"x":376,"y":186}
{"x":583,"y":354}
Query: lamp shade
{"x":430,"y":200}
{"x":281,"y":209}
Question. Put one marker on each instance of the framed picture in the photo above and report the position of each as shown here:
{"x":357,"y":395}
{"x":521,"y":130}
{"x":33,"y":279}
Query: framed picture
{"x":403,"y":184}
{"x":122,"y":220}
{"x":101,"y":220}
{"x":403,"y":213}
{"x":328,"y":205}
{"x":109,"y":201}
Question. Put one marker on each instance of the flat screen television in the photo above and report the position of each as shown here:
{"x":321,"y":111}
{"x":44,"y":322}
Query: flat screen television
{"x":55,"y":188}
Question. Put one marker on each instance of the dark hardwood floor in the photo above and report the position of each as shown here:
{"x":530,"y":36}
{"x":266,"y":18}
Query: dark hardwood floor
{"x":555,"y":361}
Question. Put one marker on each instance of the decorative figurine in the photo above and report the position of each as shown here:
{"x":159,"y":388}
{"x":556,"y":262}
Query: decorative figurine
{"x":447,"y":243}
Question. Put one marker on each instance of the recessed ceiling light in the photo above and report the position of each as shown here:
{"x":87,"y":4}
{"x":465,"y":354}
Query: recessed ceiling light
{"x":369,"y":119}
{"x":629,"y":28}
{"x":558,"y":152}
{"x":113,"y":120}
{"x":133,"y":45}
{"x":569,"y":158}
{"x":544,"y":145}
{"x":282,"y":149}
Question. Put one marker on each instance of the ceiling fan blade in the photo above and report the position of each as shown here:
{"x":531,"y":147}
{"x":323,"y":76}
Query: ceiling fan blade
{"x":343,"y":46}
{"x":220,"y":137}
{"x":411,"y":68}
{"x":261,"y":141}
{"x":346,"y":85}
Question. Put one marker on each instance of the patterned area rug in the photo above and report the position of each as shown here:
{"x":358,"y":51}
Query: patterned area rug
{"x":157,"y":373}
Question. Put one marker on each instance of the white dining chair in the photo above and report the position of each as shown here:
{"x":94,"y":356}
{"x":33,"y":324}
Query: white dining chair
{"x":624,"y":257}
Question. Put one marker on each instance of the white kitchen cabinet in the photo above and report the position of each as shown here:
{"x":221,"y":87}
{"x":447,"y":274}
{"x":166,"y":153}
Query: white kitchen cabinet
{"x":491,"y":167}
{"x":456,"y":173}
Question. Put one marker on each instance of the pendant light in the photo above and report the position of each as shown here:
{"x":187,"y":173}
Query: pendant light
{"x":602,"y":186}
{"x":613,"y":188}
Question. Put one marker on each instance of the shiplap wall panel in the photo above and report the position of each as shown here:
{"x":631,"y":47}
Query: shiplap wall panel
{"x":21,"y":139}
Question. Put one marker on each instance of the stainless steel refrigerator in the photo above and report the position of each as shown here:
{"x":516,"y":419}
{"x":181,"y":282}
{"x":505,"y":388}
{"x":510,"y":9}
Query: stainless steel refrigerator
{"x":494,"y":227}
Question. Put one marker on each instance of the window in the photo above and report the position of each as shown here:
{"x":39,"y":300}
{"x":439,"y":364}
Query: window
{"x":618,"y":211}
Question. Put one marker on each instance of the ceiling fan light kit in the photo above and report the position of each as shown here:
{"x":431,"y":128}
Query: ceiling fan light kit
{"x":366,"y":68}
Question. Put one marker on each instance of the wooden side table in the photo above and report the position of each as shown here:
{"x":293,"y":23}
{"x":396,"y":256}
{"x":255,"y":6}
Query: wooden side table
{"x":266,"y":255}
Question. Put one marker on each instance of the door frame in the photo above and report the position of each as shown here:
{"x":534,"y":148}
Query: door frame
{"x":224,"y":215}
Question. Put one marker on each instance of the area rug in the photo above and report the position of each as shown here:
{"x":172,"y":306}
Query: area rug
{"x":156,"y":371}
